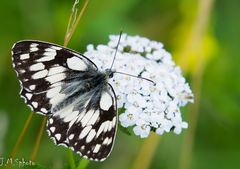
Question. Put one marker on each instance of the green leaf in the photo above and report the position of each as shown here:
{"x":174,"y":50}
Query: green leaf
{"x":124,"y":130}
{"x":121,"y":110}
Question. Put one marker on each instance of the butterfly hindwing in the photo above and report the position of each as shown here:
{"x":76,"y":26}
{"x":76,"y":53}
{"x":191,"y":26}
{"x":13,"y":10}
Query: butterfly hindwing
{"x":43,"y":68}
{"x":90,"y":131}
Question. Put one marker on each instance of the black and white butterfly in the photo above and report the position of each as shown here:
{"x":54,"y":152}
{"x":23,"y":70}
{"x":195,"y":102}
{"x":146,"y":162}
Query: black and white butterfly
{"x":68,"y":88}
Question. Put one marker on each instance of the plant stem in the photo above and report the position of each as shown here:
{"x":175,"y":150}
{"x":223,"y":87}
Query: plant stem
{"x":20,"y":138}
{"x":39,"y":137}
{"x":146,"y":152}
{"x":193,"y":46}
{"x":83,"y":163}
{"x":72,"y":27}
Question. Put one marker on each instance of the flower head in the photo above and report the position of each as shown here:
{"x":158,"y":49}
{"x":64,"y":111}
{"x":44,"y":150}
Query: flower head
{"x":147,"y":106}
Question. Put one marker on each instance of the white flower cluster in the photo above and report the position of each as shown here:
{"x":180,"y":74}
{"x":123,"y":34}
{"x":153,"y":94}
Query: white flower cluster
{"x":148,"y":106}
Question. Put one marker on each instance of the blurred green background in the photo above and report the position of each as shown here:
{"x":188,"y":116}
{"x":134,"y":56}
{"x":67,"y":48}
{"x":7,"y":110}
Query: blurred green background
{"x":202,"y":35}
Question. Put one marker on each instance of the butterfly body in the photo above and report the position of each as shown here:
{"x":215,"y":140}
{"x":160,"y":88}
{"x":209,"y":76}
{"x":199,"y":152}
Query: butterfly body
{"x":69,"y":89}
{"x":79,"y":90}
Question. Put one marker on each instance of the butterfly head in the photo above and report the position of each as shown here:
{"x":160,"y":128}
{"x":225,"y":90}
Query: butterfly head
{"x":109,"y":73}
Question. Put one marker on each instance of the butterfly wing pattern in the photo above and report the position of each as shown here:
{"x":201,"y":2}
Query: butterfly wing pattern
{"x":69,"y":89}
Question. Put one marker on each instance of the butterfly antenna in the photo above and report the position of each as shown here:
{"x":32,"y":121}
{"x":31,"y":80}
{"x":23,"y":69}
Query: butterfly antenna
{"x":139,"y":77}
{"x":120,"y":35}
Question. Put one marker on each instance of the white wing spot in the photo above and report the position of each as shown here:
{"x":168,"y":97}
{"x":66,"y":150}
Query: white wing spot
{"x":33,"y":49}
{"x":52,"y":129}
{"x":33,"y":45}
{"x":47,"y":56}
{"x":109,"y":141}
{"x":106,"y":126}
{"x":71,"y":136}
{"x":91,"y":135}
{"x":22,"y":71}
{"x":109,"y":126}
{"x":73,"y":120}
{"x":85,"y":131}
{"x":87,"y":117}
{"x":56,"y":78}
{"x":94,"y":118}
{"x":56,"y":47}
{"x":35,"y":104}
{"x":105,"y":141}
{"x":53,"y":91}
{"x":50,"y":50}
{"x":58,"y":136}
{"x":81,"y":115}
{"x":24,"y":56}
{"x":29,"y":95}
{"x":56,"y":70}
{"x":76,"y":63}
{"x":97,"y":148}
{"x":101,"y":128}
{"x":51,"y":121}
{"x":36,"y":67}
{"x":105,"y":101}
{"x":32,"y":87}
{"x":40,"y":74}
{"x":44,"y":110}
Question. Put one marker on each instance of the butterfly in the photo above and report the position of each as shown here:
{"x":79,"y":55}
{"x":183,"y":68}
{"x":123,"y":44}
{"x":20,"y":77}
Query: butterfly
{"x":68,"y":88}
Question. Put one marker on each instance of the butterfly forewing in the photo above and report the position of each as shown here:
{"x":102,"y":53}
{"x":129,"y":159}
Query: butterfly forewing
{"x":68,"y":87}
{"x":43,"y":68}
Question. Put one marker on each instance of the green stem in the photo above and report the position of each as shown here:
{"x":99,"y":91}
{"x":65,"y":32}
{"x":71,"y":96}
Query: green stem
{"x":38,"y":140}
{"x":147,"y":151}
{"x":20,"y":138}
{"x":72,"y":27}
{"x":194,"y":43}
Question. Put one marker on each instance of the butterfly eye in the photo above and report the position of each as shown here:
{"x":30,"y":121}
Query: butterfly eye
{"x":111,"y":75}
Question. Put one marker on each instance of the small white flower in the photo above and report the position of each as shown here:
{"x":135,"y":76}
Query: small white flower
{"x":166,"y":125}
{"x":130,"y":117}
{"x":148,"y":106}
{"x":184,"y":125}
{"x":137,"y":100}
{"x":90,"y":47}
{"x":142,"y":128}
{"x":160,"y":131}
